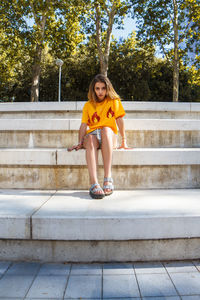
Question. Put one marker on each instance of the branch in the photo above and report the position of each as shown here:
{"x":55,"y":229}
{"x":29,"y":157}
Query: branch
{"x":163,"y":49}
{"x":109,"y":29}
{"x":98,"y":31}
{"x":185,"y":30}
{"x":43,"y":23}
{"x":170,"y":15}
{"x":34,"y":13}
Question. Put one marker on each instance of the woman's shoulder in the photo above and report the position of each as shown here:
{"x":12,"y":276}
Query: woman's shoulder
{"x":88,"y":104}
{"x":114,"y":100}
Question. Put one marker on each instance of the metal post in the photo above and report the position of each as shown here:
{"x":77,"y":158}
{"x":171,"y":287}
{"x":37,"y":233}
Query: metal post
{"x":59,"y":89}
{"x":59,"y":62}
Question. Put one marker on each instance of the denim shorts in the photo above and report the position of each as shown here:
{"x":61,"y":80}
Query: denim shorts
{"x":97,"y":133}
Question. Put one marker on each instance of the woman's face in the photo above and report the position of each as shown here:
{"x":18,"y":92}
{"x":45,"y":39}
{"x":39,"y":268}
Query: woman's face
{"x":100,"y":90}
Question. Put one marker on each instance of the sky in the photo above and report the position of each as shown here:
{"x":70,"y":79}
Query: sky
{"x":129,"y":26}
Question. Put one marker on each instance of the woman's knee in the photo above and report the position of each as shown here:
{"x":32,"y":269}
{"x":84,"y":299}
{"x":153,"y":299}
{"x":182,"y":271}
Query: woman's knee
{"x":90,"y":141}
{"x":109,"y":136}
{"x":107,"y":131}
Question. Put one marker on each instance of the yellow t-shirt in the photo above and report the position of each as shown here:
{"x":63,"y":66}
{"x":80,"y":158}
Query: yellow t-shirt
{"x":102,"y":114}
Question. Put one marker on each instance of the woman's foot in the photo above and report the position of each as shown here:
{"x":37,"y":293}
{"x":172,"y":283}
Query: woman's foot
{"x":108,"y":186}
{"x":96,"y":191}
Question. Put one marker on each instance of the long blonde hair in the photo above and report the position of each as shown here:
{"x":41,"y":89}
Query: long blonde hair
{"x":110,"y":92}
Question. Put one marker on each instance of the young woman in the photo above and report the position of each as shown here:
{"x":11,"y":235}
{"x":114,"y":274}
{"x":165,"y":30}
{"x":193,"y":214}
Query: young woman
{"x":102,"y":114}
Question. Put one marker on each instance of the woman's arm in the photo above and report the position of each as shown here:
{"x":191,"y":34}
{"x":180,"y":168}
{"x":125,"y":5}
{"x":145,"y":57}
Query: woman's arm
{"x":82,"y":132}
{"x":120,"y":124}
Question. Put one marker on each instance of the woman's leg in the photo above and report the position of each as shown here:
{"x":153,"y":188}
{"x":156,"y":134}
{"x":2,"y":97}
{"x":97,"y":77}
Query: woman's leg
{"x":91,"y":145}
{"x":108,"y":143}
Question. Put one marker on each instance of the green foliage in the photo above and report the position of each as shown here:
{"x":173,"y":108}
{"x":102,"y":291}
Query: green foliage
{"x":155,"y":20}
{"x":53,"y":22}
{"x":191,"y":36}
{"x":135,"y":73}
{"x":133,"y":68}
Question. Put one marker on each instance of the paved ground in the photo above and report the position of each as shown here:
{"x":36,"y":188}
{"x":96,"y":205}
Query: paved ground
{"x":162,"y":280}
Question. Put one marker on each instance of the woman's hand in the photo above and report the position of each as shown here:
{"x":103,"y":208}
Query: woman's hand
{"x":123,"y":144}
{"x":76,"y":147}
{"x":82,"y":132}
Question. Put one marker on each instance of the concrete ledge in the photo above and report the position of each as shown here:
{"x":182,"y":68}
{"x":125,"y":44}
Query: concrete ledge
{"x":37,"y":106}
{"x":14,"y":227}
{"x":99,"y":251}
{"x":162,"y":124}
{"x":16,"y":209}
{"x":74,"y":124}
{"x":76,"y":177}
{"x":73,"y":215}
{"x":195,"y":107}
{"x":133,"y":215}
{"x":77,"y":106}
{"x":132,"y":157}
{"x":160,"y":156}
{"x":27,"y":157}
{"x":35,"y":124}
{"x":62,"y":139}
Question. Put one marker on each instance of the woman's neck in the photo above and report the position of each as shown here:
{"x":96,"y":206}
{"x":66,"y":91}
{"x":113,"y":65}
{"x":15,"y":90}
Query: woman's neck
{"x":99,"y":101}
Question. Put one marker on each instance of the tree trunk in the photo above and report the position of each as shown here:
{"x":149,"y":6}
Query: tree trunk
{"x":36,"y":75}
{"x":98,"y":39}
{"x":38,"y":55}
{"x":104,"y":55}
{"x":176,"y":55}
{"x":104,"y":66}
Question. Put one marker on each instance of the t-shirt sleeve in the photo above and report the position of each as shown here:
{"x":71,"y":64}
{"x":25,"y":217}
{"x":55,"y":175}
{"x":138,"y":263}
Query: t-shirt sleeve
{"x":119,"y":110}
{"x":85,"y":115}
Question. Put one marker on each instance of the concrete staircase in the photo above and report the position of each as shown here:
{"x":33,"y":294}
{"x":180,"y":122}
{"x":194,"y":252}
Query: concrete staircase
{"x":47,"y":215}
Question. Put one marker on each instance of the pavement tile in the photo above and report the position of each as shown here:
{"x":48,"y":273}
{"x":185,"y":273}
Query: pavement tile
{"x":158,"y":285}
{"x":86,"y":269}
{"x":12,"y":298}
{"x":23,"y":268}
{"x":55,"y":269}
{"x":15,"y":285}
{"x":121,"y":286}
{"x":191,"y":297}
{"x":122,"y":298}
{"x":48,"y":286}
{"x":152,"y":268}
{"x":180,"y":267}
{"x":187,"y":283}
{"x":4,"y":266}
{"x":118,"y":268}
{"x":162,"y":298}
{"x":84,"y":286}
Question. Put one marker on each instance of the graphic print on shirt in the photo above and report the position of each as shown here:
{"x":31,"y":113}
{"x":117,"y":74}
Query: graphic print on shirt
{"x":110,"y":113}
{"x":95,"y":118}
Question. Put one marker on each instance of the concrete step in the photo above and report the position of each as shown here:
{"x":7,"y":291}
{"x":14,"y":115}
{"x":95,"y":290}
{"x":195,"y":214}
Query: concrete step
{"x":48,"y":133}
{"x":121,"y":157}
{"x":70,"y":226}
{"x":134,"y":168}
{"x":73,"y":110}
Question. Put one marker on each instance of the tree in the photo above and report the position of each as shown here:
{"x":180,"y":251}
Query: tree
{"x":55,"y":23}
{"x":192,"y":34}
{"x":103,"y":15}
{"x":164,"y":22}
